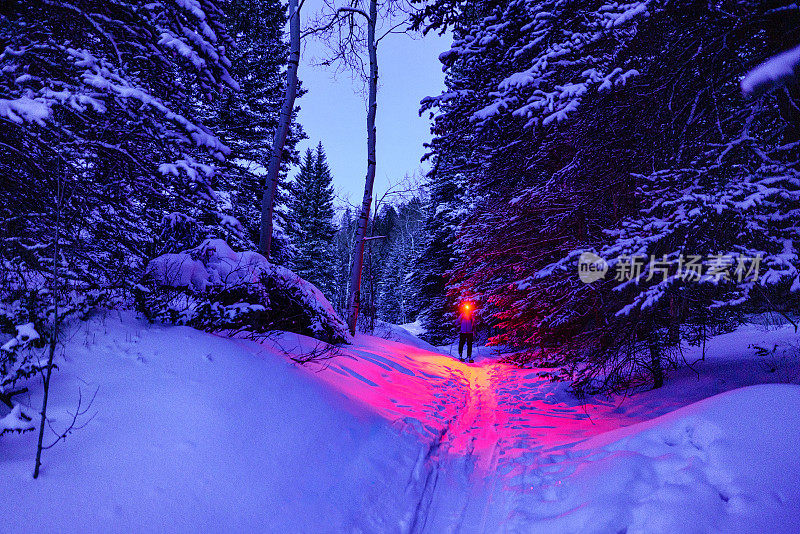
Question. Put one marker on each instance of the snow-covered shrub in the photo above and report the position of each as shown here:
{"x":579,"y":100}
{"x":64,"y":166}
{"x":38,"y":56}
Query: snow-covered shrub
{"x":18,"y":420}
{"x":25,"y":305}
{"x":17,"y":361}
{"x":19,"y":345}
{"x":213,"y":288}
{"x":27,"y":313}
{"x":26,"y":318}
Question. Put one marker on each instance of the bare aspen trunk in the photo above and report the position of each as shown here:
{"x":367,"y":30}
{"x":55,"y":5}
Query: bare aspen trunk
{"x":274,"y":168}
{"x":354,"y":299}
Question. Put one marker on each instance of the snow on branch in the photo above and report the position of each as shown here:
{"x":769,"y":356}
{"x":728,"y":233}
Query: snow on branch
{"x":774,"y":71}
{"x":537,"y":87}
{"x":24,"y":109}
{"x":16,"y":421}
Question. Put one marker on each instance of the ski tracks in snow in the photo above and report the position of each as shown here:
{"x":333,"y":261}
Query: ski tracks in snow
{"x":484,"y":428}
{"x":460,"y":464}
{"x":508,"y":436}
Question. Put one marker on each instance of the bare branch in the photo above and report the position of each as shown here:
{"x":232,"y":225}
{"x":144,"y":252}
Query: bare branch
{"x":73,"y":424}
{"x":353,"y":10}
{"x":392,"y":30}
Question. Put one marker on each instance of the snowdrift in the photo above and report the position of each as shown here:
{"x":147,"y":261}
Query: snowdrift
{"x":193,"y":432}
{"x":406,"y":334}
{"x":728,"y":463}
{"x":217,"y":289}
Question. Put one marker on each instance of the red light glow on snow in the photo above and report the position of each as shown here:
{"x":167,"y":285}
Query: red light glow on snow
{"x":473,"y":407}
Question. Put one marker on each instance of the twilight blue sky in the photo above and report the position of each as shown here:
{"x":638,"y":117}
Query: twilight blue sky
{"x":334,"y":109}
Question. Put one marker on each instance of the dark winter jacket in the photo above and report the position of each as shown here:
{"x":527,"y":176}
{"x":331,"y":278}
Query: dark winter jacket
{"x":467,"y":323}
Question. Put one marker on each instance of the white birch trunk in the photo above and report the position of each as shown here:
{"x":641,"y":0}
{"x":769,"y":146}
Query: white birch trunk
{"x":354,"y":299}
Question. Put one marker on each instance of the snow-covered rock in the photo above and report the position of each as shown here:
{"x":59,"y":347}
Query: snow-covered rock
{"x":227,"y":290}
{"x":192,"y":432}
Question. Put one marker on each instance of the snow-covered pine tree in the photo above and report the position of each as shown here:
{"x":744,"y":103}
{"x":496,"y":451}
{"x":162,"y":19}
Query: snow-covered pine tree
{"x":589,"y":104}
{"x":312,"y":209}
{"x":343,"y":250}
{"x":537,"y":183}
{"x":459,"y":149}
{"x":483,"y":124}
{"x":455,"y":152}
{"x":98,"y":99}
{"x":719,"y":187}
{"x":397,"y":301}
{"x":393,"y":302}
{"x":437,"y":256}
{"x":247,"y":120}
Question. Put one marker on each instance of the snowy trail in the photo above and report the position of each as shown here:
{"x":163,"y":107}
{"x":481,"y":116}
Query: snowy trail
{"x":466,"y":452}
{"x":476,"y":419}
{"x":195,"y":432}
{"x":504,"y":445}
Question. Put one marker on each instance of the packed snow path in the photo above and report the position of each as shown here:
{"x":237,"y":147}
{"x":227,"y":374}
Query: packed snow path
{"x":504,"y":446}
{"x":194,"y":432}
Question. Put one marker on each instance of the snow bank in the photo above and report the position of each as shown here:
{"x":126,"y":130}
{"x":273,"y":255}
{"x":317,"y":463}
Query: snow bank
{"x":245,"y":291}
{"x":194,"y":432}
{"x":729,"y":464}
{"x":407,"y":333}
{"x":198,"y":432}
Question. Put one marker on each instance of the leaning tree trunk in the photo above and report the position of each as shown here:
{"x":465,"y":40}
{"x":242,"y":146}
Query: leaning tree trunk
{"x":274,"y":168}
{"x":354,"y":299}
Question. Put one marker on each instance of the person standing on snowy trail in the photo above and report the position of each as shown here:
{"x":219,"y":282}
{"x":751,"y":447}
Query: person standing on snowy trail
{"x":466,"y":332}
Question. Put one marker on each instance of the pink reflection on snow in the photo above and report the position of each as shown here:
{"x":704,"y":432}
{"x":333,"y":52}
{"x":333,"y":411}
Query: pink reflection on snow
{"x":489,"y":411}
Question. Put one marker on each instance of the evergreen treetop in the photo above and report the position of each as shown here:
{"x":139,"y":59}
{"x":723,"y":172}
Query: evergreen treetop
{"x":312,"y":210}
